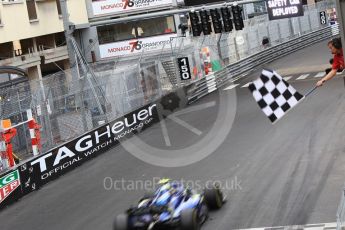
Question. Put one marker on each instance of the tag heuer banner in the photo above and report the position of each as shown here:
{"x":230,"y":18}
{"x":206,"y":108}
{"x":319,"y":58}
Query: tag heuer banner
{"x":124,"y":6}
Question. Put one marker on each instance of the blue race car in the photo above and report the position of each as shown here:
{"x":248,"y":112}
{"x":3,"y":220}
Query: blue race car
{"x":171,"y":206}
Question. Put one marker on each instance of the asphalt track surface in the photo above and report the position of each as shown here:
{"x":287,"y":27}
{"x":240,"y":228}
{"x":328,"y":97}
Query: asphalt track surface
{"x":291,"y":173}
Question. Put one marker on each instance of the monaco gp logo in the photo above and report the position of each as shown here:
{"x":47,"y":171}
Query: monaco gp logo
{"x":8,"y":184}
{"x":118,"y":6}
{"x":128,"y":3}
{"x":137,"y":45}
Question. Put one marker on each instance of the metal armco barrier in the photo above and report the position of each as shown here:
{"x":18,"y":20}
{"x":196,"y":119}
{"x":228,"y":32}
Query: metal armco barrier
{"x":202,"y":87}
{"x":34,"y":173}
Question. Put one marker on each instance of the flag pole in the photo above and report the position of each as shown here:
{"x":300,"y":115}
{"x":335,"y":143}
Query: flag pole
{"x":311,"y":91}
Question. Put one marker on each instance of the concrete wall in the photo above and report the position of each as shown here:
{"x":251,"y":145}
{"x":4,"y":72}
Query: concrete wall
{"x":16,"y":24}
{"x":86,"y":35}
{"x":78,"y":12}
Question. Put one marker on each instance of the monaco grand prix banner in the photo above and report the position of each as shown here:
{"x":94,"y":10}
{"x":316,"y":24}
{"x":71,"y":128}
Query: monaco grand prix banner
{"x":136,"y":46}
{"x":123,"y":6}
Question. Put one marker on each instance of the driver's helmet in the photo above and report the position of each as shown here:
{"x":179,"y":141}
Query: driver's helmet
{"x":164,"y":181}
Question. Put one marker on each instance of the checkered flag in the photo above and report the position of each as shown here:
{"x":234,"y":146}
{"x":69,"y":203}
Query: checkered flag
{"x":274,"y":95}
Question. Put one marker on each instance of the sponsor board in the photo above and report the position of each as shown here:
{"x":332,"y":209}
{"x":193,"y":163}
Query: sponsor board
{"x":124,"y":6}
{"x":135,"y":46}
{"x":279,"y":9}
{"x":9,"y":183}
{"x":62,"y":159}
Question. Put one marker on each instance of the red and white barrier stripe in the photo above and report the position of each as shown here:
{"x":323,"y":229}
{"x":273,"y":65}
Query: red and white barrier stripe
{"x":3,"y":155}
{"x":34,"y":133}
{"x":33,"y":128}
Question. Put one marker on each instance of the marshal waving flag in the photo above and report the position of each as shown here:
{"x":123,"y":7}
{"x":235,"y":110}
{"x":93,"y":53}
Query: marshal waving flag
{"x":274,"y":95}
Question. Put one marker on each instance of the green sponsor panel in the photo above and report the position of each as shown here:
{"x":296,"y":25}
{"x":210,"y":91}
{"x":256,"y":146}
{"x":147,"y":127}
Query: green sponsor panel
{"x":216,"y":65}
{"x":10,"y":191}
{"x":7,"y":179}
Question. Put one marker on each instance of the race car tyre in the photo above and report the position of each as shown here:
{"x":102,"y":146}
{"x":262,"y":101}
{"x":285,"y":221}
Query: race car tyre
{"x":189,"y":220}
{"x":121,"y":222}
{"x":213,"y":198}
{"x":204,"y":214}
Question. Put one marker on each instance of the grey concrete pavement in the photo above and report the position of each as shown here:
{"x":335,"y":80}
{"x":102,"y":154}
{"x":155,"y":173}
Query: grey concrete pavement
{"x":288,"y":174}
{"x":310,"y":59}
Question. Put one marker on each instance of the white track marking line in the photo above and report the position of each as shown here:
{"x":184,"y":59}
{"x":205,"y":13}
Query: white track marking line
{"x":303,"y":77}
{"x":186,"y":125}
{"x":231,"y":87}
{"x":287,"y":78}
{"x":165,"y":133}
{"x":246,"y":85}
{"x":321,"y":74}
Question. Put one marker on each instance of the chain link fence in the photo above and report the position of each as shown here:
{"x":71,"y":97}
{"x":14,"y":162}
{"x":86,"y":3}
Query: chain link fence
{"x":67,"y":106}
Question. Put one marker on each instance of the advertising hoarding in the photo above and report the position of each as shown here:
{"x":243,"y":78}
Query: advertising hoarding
{"x":136,"y":46}
{"x":49,"y":166}
{"x":123,"y":6}
{"x":10,"y":187}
